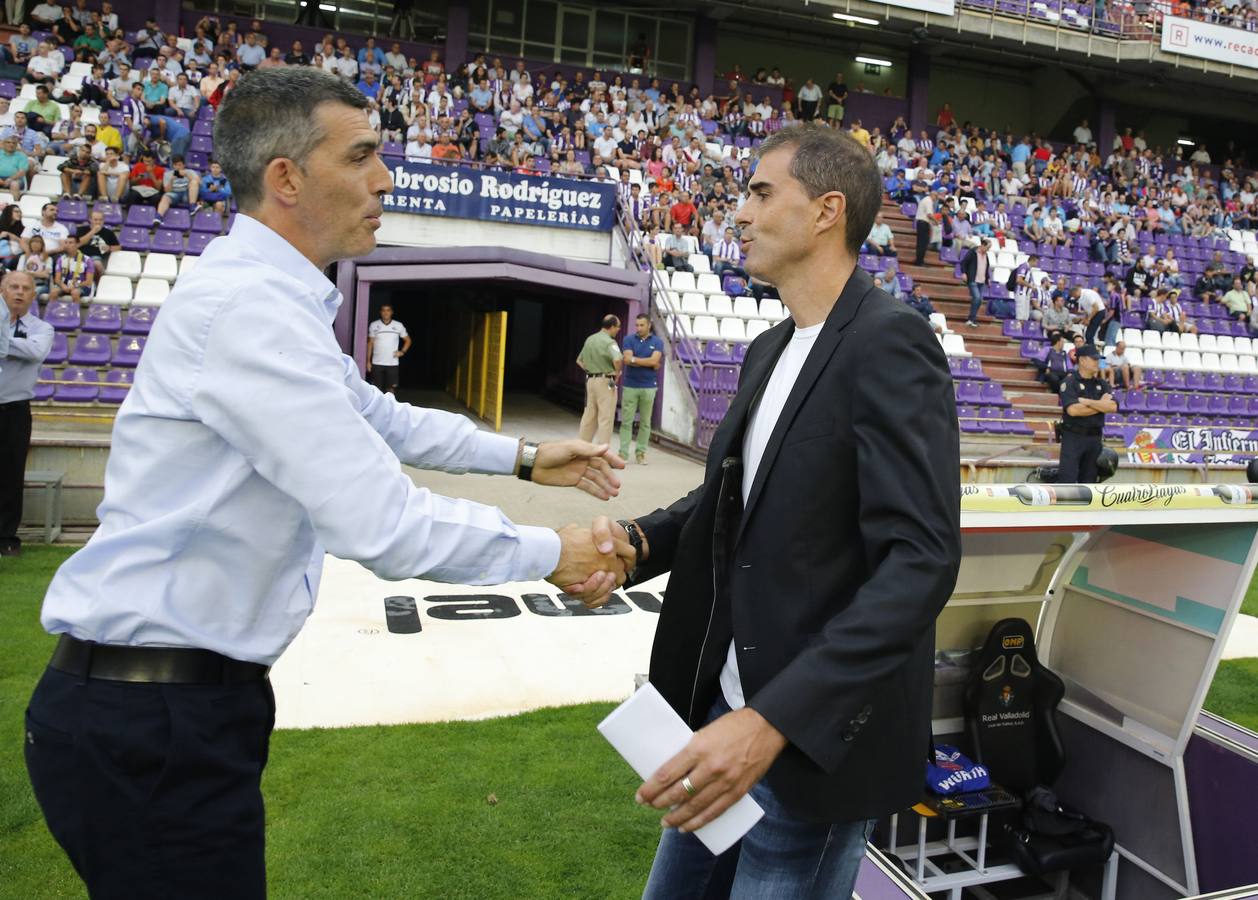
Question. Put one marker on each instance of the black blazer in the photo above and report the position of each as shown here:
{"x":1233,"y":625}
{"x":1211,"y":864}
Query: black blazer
{"x":846,"y":552}
{"x":969,"y":266}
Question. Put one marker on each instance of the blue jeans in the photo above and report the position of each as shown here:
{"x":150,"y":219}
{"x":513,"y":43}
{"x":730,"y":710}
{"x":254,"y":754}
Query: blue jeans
{"x":781,"y":858}
{"x":976,"y":299}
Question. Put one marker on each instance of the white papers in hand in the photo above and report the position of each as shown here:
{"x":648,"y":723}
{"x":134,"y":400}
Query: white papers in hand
{"x":648,"y":733}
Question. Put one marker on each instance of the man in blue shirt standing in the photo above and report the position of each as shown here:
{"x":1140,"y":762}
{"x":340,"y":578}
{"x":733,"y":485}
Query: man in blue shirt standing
{"x":644,"y":354}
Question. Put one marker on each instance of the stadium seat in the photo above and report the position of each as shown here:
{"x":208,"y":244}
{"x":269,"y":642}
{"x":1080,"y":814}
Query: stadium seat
{"x":1226,"y":343}
{"x":119,"y":382}
{"x":694,"y":304}
{"x":1188,"y":341}
{"x":89,"y":350}
{"x":139,"y":320}
{"x":1133,"y":338}
{"x":1207,"y":343}
{"x":681,"y":325}
{"x":937,"y":319}
{"x":757,"y":327}
{"x":700,"y":264}
{"x":706,"y":328}
{"x":1248,"y":364}
{"x":1210,"y":362}
{"x":51,"y":164}
{"x":682,"y":281}
{"x":45,"y":185}
{"x":32,"y":205}
{"x":1170,"y":340}
{"x":151,"y":292}
{"x":1244,"y":345}
{"x":1191,"y":361}
{"x":1150,"y":357}
{"x":198,"y":241}
{"x":76,"y":385}
{"x":746,"y":307}
{"x":771,"y":309}
{"x":720,"y":305}
{"x":105,"y":318}
{"x":128,"y":351}
{"x":1229,"y":362}
{"x":125,"y":264}
{"x":113,"y":289}
{"x":708,"y":283}
{"x":63,"y":315}
{"x":161,"y":265}
{"x":954,"y":345}
{"x":732,"y":329}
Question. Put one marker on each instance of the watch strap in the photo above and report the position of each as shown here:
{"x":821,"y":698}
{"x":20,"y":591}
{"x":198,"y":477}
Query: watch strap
{"x":635,"y":539}
{"x":528,"y":459}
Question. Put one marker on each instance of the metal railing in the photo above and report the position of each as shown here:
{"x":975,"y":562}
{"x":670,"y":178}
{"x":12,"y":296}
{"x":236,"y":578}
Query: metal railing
{"x":1122,"y":21}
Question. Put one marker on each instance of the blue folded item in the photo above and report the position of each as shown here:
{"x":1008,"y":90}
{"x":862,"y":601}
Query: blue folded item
{"x":954,"y":773}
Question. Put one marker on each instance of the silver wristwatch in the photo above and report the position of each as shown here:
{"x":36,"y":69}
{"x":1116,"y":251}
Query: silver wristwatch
{"x":528,"y":458}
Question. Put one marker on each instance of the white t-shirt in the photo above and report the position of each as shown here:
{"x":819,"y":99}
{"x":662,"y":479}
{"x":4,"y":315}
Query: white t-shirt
{"x":386,"y":339}
{"x":52,"y":234}
{"x":1090,"y":302}
{"x":760,"y":427}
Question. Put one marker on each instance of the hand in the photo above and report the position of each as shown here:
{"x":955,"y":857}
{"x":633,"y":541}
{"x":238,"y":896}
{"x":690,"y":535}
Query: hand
{"x":608,"y":537}
{"x":578,"y":464}
{"x":722,"y":760}
{"x":368,"y":365}
{"x":580,"y":559}
{"x":397,"y":354}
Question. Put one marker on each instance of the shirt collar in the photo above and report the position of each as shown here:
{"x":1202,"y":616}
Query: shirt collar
{"x":265,"y":243}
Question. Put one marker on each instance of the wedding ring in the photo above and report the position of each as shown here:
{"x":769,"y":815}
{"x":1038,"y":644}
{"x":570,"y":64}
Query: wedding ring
{"x":687,"y":786}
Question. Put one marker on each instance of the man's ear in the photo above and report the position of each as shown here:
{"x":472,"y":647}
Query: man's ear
{"x":282,"y":180}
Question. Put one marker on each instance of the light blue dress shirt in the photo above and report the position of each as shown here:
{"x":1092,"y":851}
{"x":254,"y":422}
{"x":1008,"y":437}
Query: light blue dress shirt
{"x":248,"y":444}
{"x":20,"y":358}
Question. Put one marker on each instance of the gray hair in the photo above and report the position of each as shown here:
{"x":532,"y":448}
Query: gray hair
{"x":829,"y":160}
{"x":270,"y":114}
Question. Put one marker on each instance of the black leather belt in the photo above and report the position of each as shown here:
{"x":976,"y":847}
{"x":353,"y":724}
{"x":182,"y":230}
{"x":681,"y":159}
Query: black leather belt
{"x":589,"y":375}
{"x":151,"y":665}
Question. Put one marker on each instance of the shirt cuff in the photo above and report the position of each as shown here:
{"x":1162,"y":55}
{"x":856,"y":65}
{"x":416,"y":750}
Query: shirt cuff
{"x":538,"y":555}
{"x":494,"y":454}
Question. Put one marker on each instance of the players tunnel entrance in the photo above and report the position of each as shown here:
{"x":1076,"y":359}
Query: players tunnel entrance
{"x":485,"y":322}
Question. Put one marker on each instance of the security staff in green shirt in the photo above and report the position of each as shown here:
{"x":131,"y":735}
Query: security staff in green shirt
{"x":600,"y":359}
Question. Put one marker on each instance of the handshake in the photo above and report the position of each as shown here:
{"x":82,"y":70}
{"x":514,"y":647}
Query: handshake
{"x":593,"y":561}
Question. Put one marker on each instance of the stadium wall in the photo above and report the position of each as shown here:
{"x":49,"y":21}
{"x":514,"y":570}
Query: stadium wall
{"x":405,"y":230}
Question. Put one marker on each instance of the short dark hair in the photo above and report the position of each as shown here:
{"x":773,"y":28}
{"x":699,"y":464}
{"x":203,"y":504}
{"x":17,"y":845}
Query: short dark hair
{"x":270,"y":114}
{"x":827,"y":160}
{"x":644,"y":317}
{"x":611,"y":321}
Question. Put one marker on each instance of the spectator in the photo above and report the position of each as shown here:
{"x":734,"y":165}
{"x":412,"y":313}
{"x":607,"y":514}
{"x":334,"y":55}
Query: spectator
{"x":1057,"y":365}
{"x":881,"y":241}
{"x":215,"y":188}
{"x":251,"y":53}
{"x":446,"y":150}
{"x":97,"y":241}
{"x":924,"y":222}
{"x":73,"y":273}
{"x":148,"y":40}
{"x":836,"y":97}
{"x":46,"y":15}
{"x":10,"y":236}
{"x":78,"y":174}
{"x":1093,"y":309}
{"x":677,"y":251}
{"x":1120,"y":373}
{"x":180,"y":186}
{"x":1237,"y":301}
{"x":1082,"y":133}
{"x":297,"y":56}
{"x":145,"y":180}
{"x":727,"y":256}
{"x":183,"y":100}
{"x":22,"y":46}
{"x":810,"y":97}
{"x":36,"y":262}
{"x":14,"y":166}
{"x":1057,"y":319}
{"x":975,"y":268}
{"x":51,"y":232}
{"x":44,"y":67}
{"x":113,"y":178}
{"x":919,"y":301}
{"x":274,"y":59}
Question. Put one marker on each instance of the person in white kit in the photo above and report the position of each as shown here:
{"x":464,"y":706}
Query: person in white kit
{"x":806,"y":573}
{"x":248,"y":446}
{"x":387,"y":342}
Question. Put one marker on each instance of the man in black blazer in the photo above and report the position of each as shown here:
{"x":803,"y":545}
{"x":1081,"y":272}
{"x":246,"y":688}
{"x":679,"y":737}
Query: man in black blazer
{"x":808,"y":569}
{"x":974,"y":266}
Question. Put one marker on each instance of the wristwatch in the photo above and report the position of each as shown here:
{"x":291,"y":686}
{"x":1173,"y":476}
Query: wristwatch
{"x":635,"y":539}
{"x":528,"y":458}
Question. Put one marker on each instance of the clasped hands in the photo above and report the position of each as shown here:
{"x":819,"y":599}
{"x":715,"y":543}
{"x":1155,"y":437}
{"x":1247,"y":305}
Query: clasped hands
{"x":594,"y":561}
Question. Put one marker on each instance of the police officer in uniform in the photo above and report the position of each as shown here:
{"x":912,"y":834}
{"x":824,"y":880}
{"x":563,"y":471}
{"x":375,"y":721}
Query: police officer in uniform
{"x":1085,"y":399}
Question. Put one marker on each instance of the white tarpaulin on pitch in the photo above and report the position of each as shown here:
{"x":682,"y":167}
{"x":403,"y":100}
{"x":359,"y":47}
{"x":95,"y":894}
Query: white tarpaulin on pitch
{"x":1217,"y":43}
{"x":390,"y":652}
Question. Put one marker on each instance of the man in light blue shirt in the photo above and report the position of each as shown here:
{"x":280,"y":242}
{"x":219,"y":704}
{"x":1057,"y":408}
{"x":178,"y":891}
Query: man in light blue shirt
{"x":24,"y":345}
{"x":251,"y":53}
{"x":248,"y":447}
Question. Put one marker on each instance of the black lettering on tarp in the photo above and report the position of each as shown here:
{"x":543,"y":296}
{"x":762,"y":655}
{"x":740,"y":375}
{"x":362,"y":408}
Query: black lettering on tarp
{"x":546,"y":605}
{"x":645,"y":601}
{"x":456,"y":607}
{"x":402,"y":615}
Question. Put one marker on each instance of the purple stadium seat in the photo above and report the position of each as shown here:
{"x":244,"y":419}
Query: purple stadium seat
{"x":740,"y":352}
{"x":120,"y":381}
{"x":973,"y":368}
{"x":8,"y":89}
{"x":1134,"y":401}
{"x":112,"y":213}
{"x":63,"y":315}
{"x":1155,"y":402}
{"x":177,"y":219}
{"x":969,"y":392}
{"x":1251,"y":384}
{"x":166,"y":240}
{"x":106,"y":319}
{"x":717,"y":353}
{"x":205,"y":113}
{"x":60,"y":348}
{"x":115,"y":118}
{"x":689,"y":353}
{"x":44,"y":386}
{"x":89,"y":350}
{"x":134,"y":238}
{"x":1015,"y":423}
{"x":1218,"y":405}
{"x":1176,"y":402}
{"x":201,"y":143}
{"x":76,"y":386}
{"x":989,"y":419}
{"x":139,"y":320}
{"x":1213,"y":382}
{"x":203,"y":127}
{"x":1198,"y":404}
{"x":128,"y":352}
{"x":209,"y":221}
{"x":141,"y":216}
{"x":993,"y":395}
{"x":1194,"y":381}
{"x":392,"y":148}
{"x":198,"y":161}
{"x":197,"y":242}
{"x":1238,"y":406}
{"x":713,"y":407}
{"x":73,"y":211}
{"x":1174,"y":380}
{"x":1253,"y":406}
{"x":967,"y":418}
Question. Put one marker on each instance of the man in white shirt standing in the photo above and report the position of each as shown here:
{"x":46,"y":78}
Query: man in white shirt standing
{"x":387,"y":342}
{"x":247,"y":446}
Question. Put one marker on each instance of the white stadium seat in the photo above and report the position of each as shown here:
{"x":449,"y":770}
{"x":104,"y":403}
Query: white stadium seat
{"x":746,"y":307}
{"x":1151,"y":338}
{"x":1192,"y":361}
{"x":954,"y":345}
{"x":694,"y":304}
{"x":1244,"y":346}
{"x":681,"y":324}
{"x":1210,"y":362}
{"x":1170,"y":340}
{"x":683,"y":281}
{"x":1225,"y":343}
{"x":91,"y":115}
{"x":1132,"y":337}
{"x":1230,"y":363}
{"x":161,"y":265}
{"x":1188,"y":341}
{"x":150,"y":292}
{"x":938,"y":319}
{"x":1001,"y":274}
{"x":50,"y":164}
{"x":1006,"y":260}
{"x":720,"y":305}
{"x":669,"y":301}
{"x":1207,"y":342}
{"x":699,"y":263}
{"x":757,"y":327}
{"x":32,"y":206}
{"x":732,"y":329}
{"x":80,"y":69}
{"x":1249,"y":365}
{"x":1172,"y":359}
{"x":113,"y":290}
{"x":126,"y":263}
{"x":27,"y":93}
{"x":771,"y":309}
{"x":707,"y":328}
{"x":693,"y":243}
{"x":1150,"y":357}
{"x":708,"y":283}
